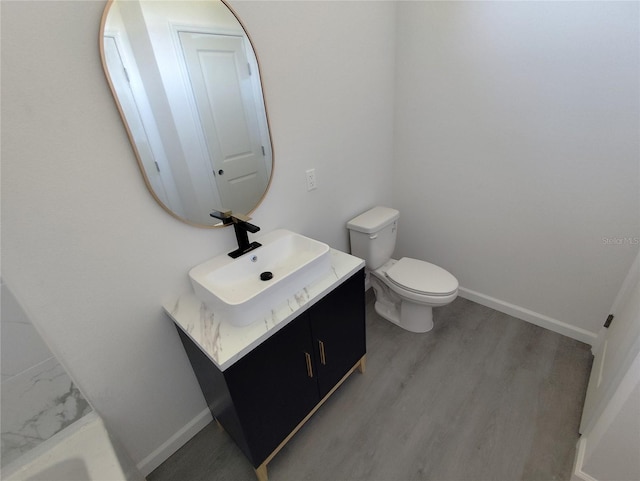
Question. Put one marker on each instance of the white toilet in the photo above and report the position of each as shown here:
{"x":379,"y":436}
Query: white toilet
{"x":406,"y":290}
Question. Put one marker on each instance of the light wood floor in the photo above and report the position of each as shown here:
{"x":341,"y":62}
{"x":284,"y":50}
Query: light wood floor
{"x":483,"y":396}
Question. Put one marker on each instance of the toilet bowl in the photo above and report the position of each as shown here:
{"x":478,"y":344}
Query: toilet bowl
{"x":408,"y":295}
{"x":407,"y":289}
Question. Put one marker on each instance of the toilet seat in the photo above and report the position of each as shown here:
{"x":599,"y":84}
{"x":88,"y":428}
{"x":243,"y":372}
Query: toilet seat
{"x":422,"y":278}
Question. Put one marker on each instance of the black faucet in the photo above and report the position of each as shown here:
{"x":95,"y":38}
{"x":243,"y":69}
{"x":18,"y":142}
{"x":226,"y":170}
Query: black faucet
{"x":242,"y":227}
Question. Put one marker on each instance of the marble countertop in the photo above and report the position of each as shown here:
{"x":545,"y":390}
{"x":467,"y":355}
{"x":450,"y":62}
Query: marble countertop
{"x":224,"y":343}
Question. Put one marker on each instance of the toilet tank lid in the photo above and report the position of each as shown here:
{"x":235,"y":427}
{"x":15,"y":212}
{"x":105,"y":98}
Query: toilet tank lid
{"x":373,"y":220}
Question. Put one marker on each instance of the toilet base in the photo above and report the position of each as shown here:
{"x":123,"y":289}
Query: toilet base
{"x":404,"y":313}
{"x":416,"y":317}
{"x":412,"y":317}
{"x":388,"y":312}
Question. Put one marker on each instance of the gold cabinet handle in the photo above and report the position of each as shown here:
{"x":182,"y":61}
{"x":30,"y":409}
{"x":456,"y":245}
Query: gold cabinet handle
{"x":323,"y":358}
{"x":309,"y":366}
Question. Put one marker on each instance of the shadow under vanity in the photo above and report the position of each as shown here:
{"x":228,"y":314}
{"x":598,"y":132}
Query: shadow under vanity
{"x":263,"y":381}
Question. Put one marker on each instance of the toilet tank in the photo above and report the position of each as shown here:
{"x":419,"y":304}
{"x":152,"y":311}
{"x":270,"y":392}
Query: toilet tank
{"x":373,"y":235}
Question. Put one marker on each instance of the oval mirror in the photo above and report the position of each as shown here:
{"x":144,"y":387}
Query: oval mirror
{"x":187,"y":85}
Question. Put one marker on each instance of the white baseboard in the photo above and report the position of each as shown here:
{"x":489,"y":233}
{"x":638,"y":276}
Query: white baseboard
{"x":175,"y":442}
{"x":578,"y":474}
{"x":541,"y":320}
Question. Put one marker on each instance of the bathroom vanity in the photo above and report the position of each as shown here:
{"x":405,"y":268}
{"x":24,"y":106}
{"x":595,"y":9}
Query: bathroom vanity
{"x":263,"y":381}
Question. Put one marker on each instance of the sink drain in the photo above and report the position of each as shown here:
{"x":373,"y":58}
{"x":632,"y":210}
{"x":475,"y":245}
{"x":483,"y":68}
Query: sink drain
{"x":266,"y":276}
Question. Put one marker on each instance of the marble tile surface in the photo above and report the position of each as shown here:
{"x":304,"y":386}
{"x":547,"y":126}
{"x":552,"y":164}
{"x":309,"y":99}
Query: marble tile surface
{"x":38,"y":398}
{"x":224,"y":343}
{"x":36,"y":404}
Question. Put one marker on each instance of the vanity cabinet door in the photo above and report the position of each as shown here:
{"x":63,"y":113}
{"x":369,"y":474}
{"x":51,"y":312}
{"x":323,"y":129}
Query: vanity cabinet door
{"x":338,"y":332}
{"x":274,"y":387}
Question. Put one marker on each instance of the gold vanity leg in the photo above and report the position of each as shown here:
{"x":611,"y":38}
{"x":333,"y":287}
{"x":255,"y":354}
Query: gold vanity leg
{"x":219,"y":425}
{"x":362,"y":365}
{"x":261,"y":472}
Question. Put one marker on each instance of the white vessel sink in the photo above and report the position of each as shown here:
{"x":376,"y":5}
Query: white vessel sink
{"x":234,"y":289}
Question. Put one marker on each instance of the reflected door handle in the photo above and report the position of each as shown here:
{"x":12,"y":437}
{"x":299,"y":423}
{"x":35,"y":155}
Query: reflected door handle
{"x":323,"y":358}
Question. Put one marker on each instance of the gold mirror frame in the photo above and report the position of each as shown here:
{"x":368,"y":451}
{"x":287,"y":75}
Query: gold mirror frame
{"x":139,"y":148}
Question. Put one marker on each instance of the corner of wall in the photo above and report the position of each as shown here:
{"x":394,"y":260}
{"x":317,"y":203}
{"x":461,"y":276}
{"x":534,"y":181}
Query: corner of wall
{"x":175,"y":442}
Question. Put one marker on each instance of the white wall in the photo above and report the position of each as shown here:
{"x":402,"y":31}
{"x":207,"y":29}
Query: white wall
{"x":21,"y":346}
{"x":328,"y":72}
{"x":85,"y":246}
{"x":516,"y":151}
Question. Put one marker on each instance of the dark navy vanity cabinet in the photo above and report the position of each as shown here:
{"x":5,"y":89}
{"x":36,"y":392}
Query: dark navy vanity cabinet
{"x":264,"y":398}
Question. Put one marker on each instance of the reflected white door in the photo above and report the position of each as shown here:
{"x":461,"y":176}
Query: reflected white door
{"x":220,"y":77}
{"x":144,"y":132}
